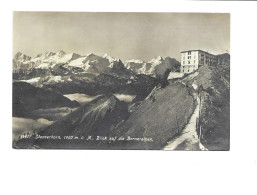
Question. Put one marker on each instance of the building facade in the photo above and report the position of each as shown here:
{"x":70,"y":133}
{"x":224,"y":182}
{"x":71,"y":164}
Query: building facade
{"x":191,"y":60}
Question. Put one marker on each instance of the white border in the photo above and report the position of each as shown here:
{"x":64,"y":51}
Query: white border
{"x":138,"y":172}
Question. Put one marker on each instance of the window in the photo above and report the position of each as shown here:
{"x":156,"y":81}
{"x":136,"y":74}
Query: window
{"x":189,"y":53}
{"x":188,"y":62}
{"x":194,"y":61}
{"x":183,"y":62}
{"x":189,"y":57}
{"x":188,"y":70}
{"x":183,"y":57}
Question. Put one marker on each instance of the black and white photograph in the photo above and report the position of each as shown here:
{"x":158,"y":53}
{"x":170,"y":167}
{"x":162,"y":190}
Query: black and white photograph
{"x":126,"y":81}
{"x":128,"y":97}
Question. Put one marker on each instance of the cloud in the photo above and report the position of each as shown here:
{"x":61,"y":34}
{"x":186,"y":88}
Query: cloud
{"x":124,"y":97}
{"x":24,"y":125}
{"x":81,"y":98}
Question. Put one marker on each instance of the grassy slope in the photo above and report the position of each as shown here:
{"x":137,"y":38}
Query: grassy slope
{"x":158,"y":117}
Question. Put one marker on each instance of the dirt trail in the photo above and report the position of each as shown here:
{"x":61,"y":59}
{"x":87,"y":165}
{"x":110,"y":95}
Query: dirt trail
{"x":188,"y":137}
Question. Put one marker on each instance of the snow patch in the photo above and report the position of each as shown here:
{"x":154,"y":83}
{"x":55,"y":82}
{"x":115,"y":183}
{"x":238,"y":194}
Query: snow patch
{"x":174,"y":75}
{"x":78,"y":62}
{"x":134,"y":61}
{"x":33,"y":80}
{"x":156,"y":61}
{"x":43,"y":66}
{"x":194,"y":86}
{"x":55,"y":79}
{"x":110,"y":58}
{"x":50,"y":57}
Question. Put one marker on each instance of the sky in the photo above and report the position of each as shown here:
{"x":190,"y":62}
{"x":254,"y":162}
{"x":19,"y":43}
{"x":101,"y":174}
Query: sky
{"x":121,"y":35}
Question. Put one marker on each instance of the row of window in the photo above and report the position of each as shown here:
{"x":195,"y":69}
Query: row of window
{"x":189,"y":62}
{"x":188,"y":69}
{"x":189,"y":66}
{"x":200,"y":62}
{"x":188,"y":57}
{"x":185,"y":71}
{"x":202,"y":55}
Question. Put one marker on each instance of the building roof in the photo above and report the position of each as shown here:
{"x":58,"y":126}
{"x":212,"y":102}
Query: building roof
{"x":197,"y":50}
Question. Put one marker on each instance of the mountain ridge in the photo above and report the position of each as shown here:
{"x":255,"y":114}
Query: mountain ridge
{"x":90,"y":63}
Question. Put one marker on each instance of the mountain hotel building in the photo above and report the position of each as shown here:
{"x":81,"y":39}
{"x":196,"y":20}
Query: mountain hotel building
{"x":192,"y":59}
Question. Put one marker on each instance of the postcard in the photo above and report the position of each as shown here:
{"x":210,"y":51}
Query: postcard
{"x":121,"y":81}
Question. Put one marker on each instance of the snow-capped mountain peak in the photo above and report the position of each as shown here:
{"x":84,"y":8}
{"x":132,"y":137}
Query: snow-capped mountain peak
{"x":110,"y":58}
{"x":21,"y":57}
{"x":106,"y":55}
{"x":45,"y":54}
{"x":156,"y":60}
{"x":134,"y":64}
{"x":61,"y":53}
{"x":135,"y":61}
{"x":90,"y":54}
{"x":49,"y":53}
{"x":141,"y":67}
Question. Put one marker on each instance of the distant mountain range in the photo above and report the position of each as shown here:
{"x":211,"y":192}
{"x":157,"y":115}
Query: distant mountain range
{"x":93,"y":64}
{"x":90,"y":74}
